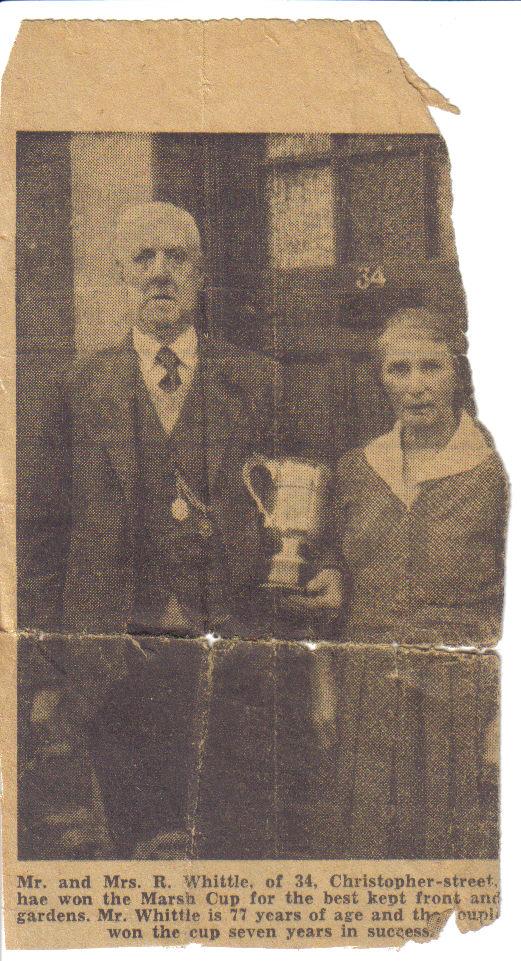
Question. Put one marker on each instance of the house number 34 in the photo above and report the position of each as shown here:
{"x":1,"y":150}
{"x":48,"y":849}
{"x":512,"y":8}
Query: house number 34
{"x":369,"y":277}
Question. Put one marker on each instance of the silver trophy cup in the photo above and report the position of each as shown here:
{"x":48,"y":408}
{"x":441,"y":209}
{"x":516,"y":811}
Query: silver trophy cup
{"x":297,"y":495}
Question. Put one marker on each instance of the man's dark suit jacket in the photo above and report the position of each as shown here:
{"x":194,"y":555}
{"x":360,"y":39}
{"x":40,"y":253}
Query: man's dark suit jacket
{"x":77,"y":564}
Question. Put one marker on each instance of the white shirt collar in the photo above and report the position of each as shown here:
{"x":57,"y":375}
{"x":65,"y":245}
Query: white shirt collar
{"x":467,"y":448}
{"x":185,"y":346}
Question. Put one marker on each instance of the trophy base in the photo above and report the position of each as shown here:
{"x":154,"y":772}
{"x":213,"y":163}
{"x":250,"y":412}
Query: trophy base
{"x":286,"y":567}
{"x":282,"y":588}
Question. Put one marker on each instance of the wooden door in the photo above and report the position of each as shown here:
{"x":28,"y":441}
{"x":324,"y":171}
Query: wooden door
{"x":312,"y":241}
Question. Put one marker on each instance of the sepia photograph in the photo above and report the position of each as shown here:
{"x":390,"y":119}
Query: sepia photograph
{"x":260,"y":527}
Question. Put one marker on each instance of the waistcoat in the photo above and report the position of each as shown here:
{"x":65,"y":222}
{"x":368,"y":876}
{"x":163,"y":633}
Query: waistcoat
{"x":171,"y":553}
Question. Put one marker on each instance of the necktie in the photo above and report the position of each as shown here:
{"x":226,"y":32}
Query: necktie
{"x":168,"y":359}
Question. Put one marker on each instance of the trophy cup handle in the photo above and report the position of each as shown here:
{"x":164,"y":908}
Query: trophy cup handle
{"x":257,"y":461}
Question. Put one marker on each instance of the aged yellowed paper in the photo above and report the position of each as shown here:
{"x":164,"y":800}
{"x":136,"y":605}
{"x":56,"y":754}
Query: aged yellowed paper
{"x":254,"y":532}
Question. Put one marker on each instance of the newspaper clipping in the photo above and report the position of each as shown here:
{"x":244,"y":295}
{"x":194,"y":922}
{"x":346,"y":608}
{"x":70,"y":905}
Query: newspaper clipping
{"x":253,"y":590}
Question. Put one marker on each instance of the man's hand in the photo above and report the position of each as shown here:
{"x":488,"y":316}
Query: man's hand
{"x":324,"y":592}
{"x":71,"y":825}
{"x":164,"y":846}
{"x":174,"y":617}
{"x":324,"y":696}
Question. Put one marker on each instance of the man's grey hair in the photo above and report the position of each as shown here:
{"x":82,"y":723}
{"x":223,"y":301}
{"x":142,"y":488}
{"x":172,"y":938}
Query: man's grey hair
{"x":134,"y":219}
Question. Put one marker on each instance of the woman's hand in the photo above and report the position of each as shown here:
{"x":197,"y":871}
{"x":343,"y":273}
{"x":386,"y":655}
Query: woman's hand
{"x":324,"y":592}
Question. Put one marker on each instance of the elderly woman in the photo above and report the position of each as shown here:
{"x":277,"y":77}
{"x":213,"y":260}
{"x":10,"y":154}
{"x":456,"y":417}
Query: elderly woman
{"x":421,"y":513}
{"x":420,"y":510}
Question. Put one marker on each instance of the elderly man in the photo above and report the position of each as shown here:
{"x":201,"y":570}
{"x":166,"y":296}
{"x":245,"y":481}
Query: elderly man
{"x":142,"y":524}
{"x":141,"y":521}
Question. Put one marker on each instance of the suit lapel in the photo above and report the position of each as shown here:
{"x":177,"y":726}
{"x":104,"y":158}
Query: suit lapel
{"x":222,"y":406}
{"x":114,"y":399}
